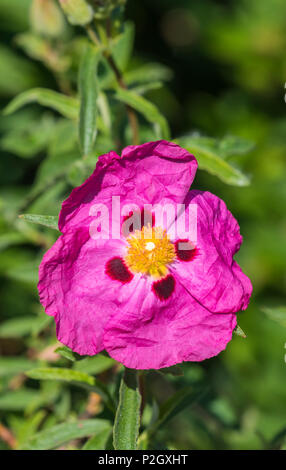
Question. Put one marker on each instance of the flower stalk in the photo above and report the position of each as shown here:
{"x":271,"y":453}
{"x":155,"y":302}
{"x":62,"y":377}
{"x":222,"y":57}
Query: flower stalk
{"x":127,"y":419}
{"x":108,"y":56}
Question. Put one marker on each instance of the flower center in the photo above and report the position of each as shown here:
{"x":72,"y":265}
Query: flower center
{"x":150,"y":252}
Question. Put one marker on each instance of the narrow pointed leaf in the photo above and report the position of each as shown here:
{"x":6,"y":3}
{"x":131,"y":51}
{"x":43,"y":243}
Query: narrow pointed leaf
{"x":122,"y":46}
{"x":73,"y":376}
{"x":65,"y":432}
{"x":14,"y":365}
{"x":94,"y":364}
{"x":57,"y":373}
{"x":67,"y":353}
{"x":212,"y":162}
{"x":46,"y":220}
{"x":174,"y":405}
{"x":65,"y":105}
{"x":88,"y":89}
{"x":99,"y":441}
{"x":278,"y":314}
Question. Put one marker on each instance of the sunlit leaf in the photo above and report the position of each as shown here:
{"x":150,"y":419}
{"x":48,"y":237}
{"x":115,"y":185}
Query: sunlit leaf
{"x":46,"y":220}
{"x":65,"y":105}
{"x":57,"y":373}
{"x":212,"y":162}
{"x":230,"y":145}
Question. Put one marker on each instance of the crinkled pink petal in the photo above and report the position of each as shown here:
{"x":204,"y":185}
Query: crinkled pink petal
{"x":150,"y":334}
{"x":156,"y":172}
{"x":213,"y":278}
{"x":75,"y":289}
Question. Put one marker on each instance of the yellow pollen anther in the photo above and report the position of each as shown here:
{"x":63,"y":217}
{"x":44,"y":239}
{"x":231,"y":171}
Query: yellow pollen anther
{"x":150,"y":252}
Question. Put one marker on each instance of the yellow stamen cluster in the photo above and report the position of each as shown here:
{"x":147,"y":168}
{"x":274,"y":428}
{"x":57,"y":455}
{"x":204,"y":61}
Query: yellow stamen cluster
{"x":150,"y":252}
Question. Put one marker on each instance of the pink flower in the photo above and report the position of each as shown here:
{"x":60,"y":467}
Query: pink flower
{"x":148,"y":302}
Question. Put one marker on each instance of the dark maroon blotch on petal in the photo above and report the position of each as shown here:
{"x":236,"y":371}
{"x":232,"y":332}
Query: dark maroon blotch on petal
{"x":164,"y":288}
{"x":118,"y":271}
{"x":188,"y":253}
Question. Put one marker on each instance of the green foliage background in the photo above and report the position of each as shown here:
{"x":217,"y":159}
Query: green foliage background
{"x":215,"y":71}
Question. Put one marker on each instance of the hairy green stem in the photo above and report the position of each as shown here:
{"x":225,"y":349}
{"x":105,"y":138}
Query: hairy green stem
{"x":127,"y":419}
{"x":130,"y":112}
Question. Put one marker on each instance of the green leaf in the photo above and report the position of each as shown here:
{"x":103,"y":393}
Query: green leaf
{"x":14,"y":15}
{"x":127,"y":419}
{"x":147,"y":109}
{"x":46,"y":220}
{"x":11,"y":238}
{"x":73,"y":376}
{"x":231,"y":145}
{"x":239,"y":332}
{"x":278,"y":314}
{"x":148,"y":73}
{"x":65,"y":432}
{"x":94,"y":365}
{"x":57,"y":373}
{"x":174,"y":405}
{"x":145,"y":87}
{"x":18,"y":400}
{"x":279,"y":440}
{"x":88,"y":90}
{"x":99,"y":441}
{"x":62,"y":152}
{"x":19,"y":327}
{"x":67,"y":353}
{"x":212,"y":162}
{"x":122,"y":46}
{"x":14,"y":365}
{"x":26,"y":272}
{"x":65,"y":105}
{"x":30,"y":139}
{"x":11,"y":81}
{"x":24,"y":427}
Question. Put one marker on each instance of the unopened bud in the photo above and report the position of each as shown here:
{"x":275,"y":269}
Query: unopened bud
{"x":104,"y":8}
{"x":46,"y":18}
{"x":77,"y":11}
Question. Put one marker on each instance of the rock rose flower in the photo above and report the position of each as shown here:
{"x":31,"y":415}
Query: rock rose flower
{"x":149,"y":300}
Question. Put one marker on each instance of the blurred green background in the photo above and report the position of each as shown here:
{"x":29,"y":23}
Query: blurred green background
{"x":216,"y":70}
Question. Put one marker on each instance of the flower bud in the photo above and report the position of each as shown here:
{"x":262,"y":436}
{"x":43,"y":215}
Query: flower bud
{"x":78,"y":12}
{"x":46,"y":18}
{"x":104,"y":8}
